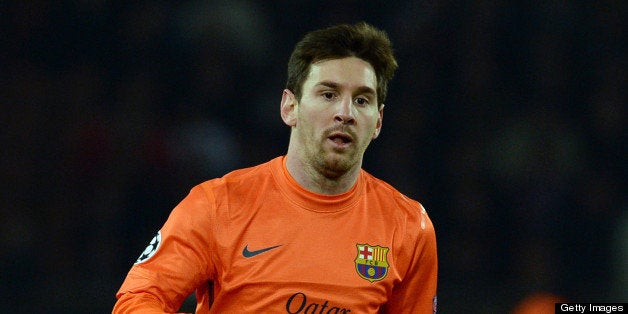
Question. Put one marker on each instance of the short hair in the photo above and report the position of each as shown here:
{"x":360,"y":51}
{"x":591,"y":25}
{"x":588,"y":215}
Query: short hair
{"x":360,"y":40}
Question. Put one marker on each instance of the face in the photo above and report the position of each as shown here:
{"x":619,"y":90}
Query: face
{"x":337,"y":116}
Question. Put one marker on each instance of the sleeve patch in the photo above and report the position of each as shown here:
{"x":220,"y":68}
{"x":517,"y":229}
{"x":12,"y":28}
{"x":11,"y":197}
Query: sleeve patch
{"x":151,"y":249}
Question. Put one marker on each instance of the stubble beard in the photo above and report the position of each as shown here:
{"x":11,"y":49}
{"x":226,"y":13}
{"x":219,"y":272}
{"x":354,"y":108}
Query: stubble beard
{"x":329,"y":162}
{"x":333,"y":164}
{"x":332,"y":167}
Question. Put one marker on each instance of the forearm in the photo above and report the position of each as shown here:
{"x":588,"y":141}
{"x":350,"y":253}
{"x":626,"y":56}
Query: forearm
{"x":141,"y":303}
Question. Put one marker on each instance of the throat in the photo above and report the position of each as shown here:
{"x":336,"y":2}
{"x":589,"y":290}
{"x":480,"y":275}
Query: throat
{"x":330,"y":182}
{"x":323,"y":177}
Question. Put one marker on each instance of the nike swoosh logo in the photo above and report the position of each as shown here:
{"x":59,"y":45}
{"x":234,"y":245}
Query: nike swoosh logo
{"x":246,"y":253}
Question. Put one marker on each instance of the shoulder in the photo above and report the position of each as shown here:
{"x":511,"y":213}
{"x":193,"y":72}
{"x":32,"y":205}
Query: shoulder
{"x":388,"y":193}
{"x":407,"y":210}
{"x":239,"y":180}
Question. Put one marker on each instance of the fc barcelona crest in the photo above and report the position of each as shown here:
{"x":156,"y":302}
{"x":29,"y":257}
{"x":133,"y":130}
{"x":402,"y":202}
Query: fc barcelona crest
{"x":371,"y":262}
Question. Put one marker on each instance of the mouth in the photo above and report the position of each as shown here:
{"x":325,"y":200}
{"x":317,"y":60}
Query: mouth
{"x":340,"y":139}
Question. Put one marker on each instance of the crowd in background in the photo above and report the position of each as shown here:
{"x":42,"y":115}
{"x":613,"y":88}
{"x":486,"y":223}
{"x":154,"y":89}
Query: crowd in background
{"x":505,"y":119}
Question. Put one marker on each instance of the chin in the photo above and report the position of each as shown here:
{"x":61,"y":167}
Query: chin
{"x":336,"y":165}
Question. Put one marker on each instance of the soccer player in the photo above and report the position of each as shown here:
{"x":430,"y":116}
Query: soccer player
{"x":308,"y":232}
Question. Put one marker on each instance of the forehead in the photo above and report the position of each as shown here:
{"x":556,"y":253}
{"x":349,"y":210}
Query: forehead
{"x":350,"y":72}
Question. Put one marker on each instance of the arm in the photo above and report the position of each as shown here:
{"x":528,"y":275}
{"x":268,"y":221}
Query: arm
{"x":181,"y":263}
{"x":417,"y":291}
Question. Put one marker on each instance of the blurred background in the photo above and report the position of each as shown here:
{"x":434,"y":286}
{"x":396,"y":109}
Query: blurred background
{"x":506,"y":120}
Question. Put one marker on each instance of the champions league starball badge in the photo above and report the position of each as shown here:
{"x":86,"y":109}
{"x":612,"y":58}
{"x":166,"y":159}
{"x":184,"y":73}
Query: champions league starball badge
{"x":151,"y":249}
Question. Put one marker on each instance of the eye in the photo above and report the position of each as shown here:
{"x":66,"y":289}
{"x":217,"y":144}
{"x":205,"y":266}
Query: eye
{"x":360,"y":101}
{"x":328,"y":95}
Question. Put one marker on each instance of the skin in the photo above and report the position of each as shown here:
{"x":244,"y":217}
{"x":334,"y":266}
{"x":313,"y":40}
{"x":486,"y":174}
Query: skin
{"x":332,"y":124}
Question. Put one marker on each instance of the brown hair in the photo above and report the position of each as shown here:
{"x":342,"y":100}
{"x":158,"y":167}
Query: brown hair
{"x":360,"y":40}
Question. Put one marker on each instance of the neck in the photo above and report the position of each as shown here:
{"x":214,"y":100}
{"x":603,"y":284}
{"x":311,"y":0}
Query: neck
{"x":317,"y":180}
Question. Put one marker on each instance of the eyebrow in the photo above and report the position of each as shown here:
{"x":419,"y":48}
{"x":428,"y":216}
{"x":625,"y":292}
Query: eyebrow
{"x":360,"y":90}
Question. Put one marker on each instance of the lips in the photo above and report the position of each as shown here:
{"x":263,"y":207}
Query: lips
{"x":340,"y":138}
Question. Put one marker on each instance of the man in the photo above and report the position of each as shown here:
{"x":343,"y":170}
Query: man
{"x":308,"y":232}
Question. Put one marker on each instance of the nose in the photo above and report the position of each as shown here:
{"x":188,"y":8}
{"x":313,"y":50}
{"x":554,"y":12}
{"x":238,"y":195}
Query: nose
{"x":344,"y":113}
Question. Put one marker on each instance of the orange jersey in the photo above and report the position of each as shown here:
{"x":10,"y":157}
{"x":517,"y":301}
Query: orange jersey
{"x":254,"y":241}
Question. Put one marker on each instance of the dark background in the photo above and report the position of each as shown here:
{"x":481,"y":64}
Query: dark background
{"x":505,"y":119}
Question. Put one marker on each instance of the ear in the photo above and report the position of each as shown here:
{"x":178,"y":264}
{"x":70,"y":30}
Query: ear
{"x":378,"y":125}
{"x":288,"y":108}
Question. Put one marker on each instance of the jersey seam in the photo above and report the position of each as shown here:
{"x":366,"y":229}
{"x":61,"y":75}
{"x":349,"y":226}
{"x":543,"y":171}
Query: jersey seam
{"x":212,"y":219}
